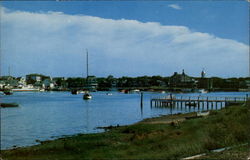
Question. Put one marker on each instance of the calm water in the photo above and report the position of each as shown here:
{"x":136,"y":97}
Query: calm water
{"x":49,"y":115}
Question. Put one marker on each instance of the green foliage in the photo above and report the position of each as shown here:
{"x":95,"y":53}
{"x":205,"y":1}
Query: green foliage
{"x":75,"y":82}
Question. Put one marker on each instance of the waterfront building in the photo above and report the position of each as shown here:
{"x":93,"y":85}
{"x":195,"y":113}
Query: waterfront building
{"x":2,"y":84}
{"x":34,"y":77}
{"x":21,"y":82}
{"x":8,"y":82}
{"x":48,"y":83}
{"x":181,"y":80}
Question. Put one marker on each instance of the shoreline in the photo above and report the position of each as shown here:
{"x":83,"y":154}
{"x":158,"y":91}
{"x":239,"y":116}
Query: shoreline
{"x":162,"y":119}
{"x":181,"y":135}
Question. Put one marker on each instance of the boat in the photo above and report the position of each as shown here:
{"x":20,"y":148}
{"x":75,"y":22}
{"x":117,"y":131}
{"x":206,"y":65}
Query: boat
{"x":7,"y":92}
{"x":5,"y":105}
{"x":203,"y":91}
{"x":42,"y":90}
{"x":109,"y":94}
{"x":162,"y":92}
{"x":87,"y":95}
{"x":135,"y":91}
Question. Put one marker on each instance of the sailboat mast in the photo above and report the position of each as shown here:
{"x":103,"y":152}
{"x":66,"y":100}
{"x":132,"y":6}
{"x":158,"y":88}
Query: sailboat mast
{"x":87,"y":64}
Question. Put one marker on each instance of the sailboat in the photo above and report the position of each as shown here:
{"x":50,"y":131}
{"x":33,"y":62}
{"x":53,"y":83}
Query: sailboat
{"x":87,"y":95}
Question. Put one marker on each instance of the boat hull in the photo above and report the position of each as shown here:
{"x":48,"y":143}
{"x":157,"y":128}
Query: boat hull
{"x":87,"y":96}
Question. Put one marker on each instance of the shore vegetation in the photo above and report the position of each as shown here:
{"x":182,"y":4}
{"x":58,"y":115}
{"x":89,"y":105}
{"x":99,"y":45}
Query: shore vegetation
{"x":166,"y":137}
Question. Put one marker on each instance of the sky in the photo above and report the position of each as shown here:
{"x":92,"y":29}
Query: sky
{"x":125,"y":38}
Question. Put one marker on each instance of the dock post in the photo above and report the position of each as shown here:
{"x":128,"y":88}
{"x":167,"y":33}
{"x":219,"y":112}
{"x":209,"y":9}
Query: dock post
{"x":207,"y":104}
{"x":202,"y":104}
{"x":171,"y":99}
{"x":225,"y":102}
{"x":181,"y":102}
{"x":198,"y":103}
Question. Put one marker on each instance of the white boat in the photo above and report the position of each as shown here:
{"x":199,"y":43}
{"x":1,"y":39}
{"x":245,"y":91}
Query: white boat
{"x":203,"y":91}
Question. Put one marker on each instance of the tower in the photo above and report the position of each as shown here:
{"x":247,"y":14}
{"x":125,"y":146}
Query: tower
{"x":203,"y":74}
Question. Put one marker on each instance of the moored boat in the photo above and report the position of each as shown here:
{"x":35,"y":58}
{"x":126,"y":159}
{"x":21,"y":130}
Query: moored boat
{"x":87,"y":96}
{"x":203,"y":91}
{"x":7,"y":92}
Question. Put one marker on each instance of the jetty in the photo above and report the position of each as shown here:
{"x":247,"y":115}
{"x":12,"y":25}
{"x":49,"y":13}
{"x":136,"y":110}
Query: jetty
{"x":199,"y":102}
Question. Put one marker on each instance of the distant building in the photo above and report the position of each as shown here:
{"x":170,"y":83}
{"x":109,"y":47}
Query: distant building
{"x":8,"y":82}
{"x":48,"y":84}
{"x":33,"y":78}
{"x":181,"y":80}
{"x":2,"y":84}
{"x":21,"y":82}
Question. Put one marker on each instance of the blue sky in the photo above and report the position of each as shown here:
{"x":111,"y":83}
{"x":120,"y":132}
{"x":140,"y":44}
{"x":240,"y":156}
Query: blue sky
{"x":125,"y":38}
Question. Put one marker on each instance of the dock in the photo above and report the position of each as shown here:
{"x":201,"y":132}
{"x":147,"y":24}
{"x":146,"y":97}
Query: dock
{"x":197,"y":102}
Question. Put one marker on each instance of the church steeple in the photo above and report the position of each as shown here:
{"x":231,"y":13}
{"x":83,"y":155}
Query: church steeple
{"x":203,"y":73}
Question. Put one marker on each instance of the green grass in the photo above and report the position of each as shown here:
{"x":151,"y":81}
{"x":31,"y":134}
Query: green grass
{"x":222,"y":128}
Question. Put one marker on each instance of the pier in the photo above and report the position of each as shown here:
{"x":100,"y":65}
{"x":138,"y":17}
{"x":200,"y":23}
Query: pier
{"x":196,"y":102}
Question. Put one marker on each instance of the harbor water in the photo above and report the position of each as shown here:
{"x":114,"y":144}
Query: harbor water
{"x":50,"y":115}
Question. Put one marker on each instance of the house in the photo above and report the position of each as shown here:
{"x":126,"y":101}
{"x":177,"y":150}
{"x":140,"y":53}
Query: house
{"x":33,"y":78}
{"x":2,"y":84}
{"x":181,"y":80}
{"x":21,"y":82}
{"x":8,"y":82}
{"x":48,"y":84}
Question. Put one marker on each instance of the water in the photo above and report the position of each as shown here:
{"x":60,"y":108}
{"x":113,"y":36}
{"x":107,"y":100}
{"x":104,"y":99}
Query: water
{"x":49,"y":115}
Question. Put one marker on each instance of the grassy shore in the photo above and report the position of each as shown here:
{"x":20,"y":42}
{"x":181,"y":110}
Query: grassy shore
{"x":166,"y":137}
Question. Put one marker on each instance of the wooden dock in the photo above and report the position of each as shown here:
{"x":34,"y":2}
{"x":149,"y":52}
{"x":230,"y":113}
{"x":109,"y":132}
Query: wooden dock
{"x":200,"y":102}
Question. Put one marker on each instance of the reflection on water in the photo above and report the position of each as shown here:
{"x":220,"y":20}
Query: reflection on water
{"x":48,"y":115}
